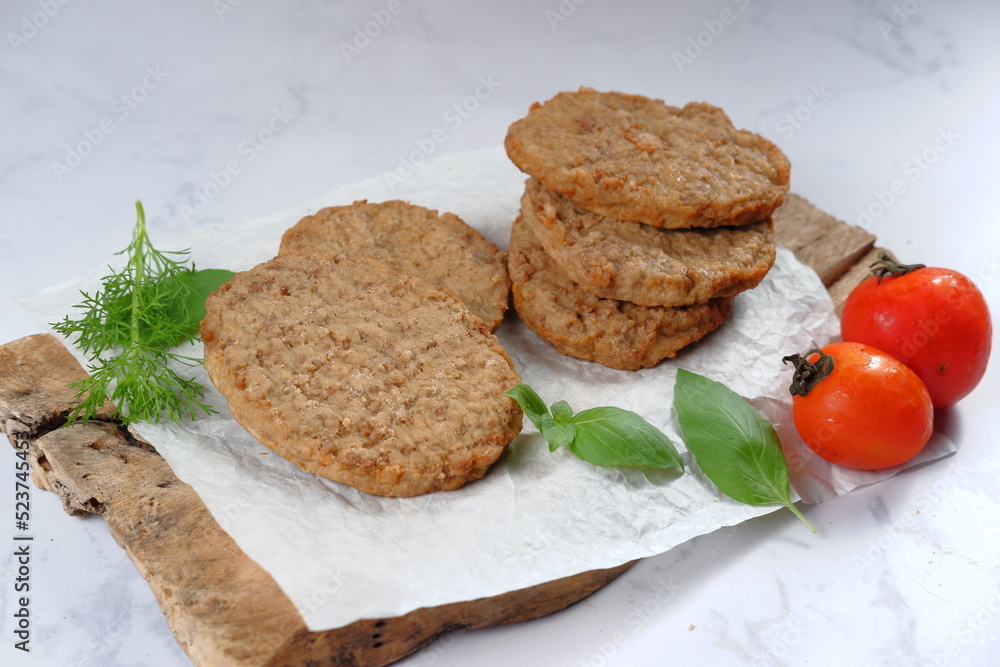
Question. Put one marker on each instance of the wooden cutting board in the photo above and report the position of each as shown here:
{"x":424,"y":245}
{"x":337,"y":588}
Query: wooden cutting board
{"x":221,"y":606}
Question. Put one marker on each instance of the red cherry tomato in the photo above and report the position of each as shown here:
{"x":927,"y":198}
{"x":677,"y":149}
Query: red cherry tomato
{"x":933,"y":320}
{"x":860,"y":408}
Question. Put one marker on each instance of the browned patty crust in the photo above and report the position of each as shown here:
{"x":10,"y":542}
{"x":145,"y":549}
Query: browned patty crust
{"x":634,"y":158}
{"x":440,"y":248}
{"x":580,"y":324}
{"x":647,"y":265}
{"x":360,"y":373}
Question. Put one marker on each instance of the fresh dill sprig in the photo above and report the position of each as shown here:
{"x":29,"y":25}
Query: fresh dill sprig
{"x":127,"y":329}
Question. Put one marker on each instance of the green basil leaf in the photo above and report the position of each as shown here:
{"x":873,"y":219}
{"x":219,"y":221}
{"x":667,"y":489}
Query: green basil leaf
{"x":602,"y":436}
{"x":734,"y":446}
{"x":561,"y":411}
{"x":611,"y":436}
{"x":182,"y":300}
{"x":558,"y":433}
{"x":531,"y":403}
{"x":195,"y":286}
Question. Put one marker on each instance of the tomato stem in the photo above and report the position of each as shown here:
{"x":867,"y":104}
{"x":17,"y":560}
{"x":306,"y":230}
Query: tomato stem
{"x":808,"y":373}
{"x":887,"y":266}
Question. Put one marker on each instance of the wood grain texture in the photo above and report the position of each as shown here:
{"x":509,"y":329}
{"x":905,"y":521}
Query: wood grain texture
{"x":38,"y":400}
{"x":221,"y":606}
{"x":830,"y":247}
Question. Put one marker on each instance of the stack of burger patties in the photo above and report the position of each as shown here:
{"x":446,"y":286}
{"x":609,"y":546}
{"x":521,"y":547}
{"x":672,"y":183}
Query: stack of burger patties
{"x":639,"y":224}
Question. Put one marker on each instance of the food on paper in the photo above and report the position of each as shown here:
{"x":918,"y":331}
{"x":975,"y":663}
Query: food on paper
{"x":648,"y":219}
{"x":580,"y":324}
{"x":360,"y":373}
{"x":604,"y":436}
{"x":734,"y":445}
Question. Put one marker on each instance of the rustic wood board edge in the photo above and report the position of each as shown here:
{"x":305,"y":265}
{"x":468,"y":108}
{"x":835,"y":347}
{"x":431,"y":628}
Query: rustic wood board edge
{"x":225,"y":610}
{"x":228,"y":610}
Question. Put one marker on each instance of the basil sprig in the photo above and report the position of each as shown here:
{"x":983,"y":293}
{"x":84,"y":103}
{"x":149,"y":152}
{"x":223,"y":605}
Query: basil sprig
{"x":605,"y":436}
{"x":734,"y":446}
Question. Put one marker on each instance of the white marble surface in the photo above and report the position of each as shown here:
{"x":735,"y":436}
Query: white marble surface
{"x":167,"y":95}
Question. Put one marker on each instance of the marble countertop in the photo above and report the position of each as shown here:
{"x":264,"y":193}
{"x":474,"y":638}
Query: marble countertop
{"x":211,"y":111}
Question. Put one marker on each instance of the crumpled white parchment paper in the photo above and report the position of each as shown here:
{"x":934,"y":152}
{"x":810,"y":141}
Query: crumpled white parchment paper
{"x":341,"y":555}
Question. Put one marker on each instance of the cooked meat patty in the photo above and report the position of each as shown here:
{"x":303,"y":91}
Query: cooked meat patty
{"x":633,"y":158}
{"x":440,"y":248}
{"x":360,"y":373}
